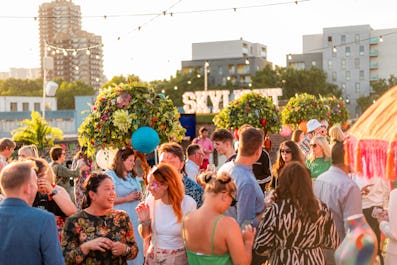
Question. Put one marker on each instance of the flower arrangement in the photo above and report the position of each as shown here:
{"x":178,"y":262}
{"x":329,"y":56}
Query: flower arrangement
{"x":336,"y":110}
{"x":303,"y":107}
{"x":120,"y":110}
{"x":253,"y":109}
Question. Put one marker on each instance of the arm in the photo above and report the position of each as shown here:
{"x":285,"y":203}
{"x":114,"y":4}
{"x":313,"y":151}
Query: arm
{"x":352,"y":202}
{"x":63,"y":200}
{"x":133,"y":196}
{"x":389,"y":228}
{"x":49,"y":243}
{"x":238,"y":244}
{"x":331,"y":239}
{"x":127,"y":245}
{"x":145,"y":226}
{"x":246,"y":211}
{"x":264,"y":240}
{"x":64,"y":172}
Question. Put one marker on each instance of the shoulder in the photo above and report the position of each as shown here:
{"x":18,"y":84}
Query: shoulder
{"x":188,"y":203}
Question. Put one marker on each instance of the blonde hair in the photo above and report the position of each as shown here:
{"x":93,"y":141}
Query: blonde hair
{"x":336,"y":134}
{"x":41,"y":166}
{"x":28,"y":151}
{"x":218,"y":182}
{"x":321,"y":141}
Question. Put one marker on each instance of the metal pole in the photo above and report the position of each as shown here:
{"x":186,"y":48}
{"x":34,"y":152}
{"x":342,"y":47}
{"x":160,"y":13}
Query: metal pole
{"x":205,"y":76}
{"x":44,"y":76}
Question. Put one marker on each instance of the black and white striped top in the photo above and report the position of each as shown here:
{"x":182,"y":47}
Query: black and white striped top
{"x":287,"y":239}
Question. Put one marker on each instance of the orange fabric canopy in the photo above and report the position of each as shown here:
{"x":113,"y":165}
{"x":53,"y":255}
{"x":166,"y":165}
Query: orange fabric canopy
{"x":372,"y":140}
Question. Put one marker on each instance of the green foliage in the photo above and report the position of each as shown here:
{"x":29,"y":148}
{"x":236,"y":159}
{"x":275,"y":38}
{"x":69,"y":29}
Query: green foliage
{"x":304,"y":107}
{"x":130,"y":79}
{"x":67,"y":91}
{"x":36,"y":131}
{"x":120,"y":110}
{"x":21,"y":87}
{"x":252,"y":108}
{"x":336,"y":110}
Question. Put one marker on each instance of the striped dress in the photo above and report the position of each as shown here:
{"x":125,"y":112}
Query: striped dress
{"x":286,"y":239}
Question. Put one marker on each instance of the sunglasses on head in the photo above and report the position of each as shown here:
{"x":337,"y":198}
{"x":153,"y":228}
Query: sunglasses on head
{"x":287,"y":151}
{"x":313,"y":145}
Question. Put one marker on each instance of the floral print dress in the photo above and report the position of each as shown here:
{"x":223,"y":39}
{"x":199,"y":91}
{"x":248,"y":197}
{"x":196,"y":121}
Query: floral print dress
{"x":82,"y":227}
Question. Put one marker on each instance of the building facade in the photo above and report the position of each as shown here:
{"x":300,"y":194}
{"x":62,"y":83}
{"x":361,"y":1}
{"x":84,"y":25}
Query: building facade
{"x":74,"y":54}
{"x":18,"y":104}
{"x":352,"y":56}
{"x":232,"y":61}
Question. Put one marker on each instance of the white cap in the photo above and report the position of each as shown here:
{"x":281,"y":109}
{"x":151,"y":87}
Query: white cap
{"x":312,"y":125}
{"x":324,"y":123}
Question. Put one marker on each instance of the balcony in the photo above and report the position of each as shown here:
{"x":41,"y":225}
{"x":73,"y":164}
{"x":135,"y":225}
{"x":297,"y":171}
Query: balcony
{"x":374,"y":77}
{"x":373,"y":65}
{"x":373,"y":53}
{"x":374,"y":40}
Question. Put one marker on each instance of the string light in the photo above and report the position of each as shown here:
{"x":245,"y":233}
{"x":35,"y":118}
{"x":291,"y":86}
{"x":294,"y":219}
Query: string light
{"x":380,"y":38}
{"x":56,"y":50}
{"x":334,"y":49}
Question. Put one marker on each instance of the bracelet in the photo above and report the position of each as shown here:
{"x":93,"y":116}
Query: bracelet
{"x":127,"y":250}
{"x":147,"y":222}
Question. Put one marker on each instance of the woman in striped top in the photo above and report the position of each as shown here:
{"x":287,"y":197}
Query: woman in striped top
{"x":296,"y":226}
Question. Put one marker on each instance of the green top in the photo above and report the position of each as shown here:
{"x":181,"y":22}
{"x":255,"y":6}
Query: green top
{"x":195,"y":258}
{"x":318,"y":166}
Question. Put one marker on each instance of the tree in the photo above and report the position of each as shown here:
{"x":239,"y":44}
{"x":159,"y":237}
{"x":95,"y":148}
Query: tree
{"x":36,"y":131}
{"x":66,"y":92}
{"x":130,"y":79}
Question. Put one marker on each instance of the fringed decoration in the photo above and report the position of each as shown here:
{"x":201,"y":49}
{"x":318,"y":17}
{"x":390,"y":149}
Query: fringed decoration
{"x":358,"y":166}
{"x":390,"y":164}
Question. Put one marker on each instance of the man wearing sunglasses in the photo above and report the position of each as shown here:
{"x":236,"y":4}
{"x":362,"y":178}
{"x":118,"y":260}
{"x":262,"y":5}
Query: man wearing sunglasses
{"x":313,"y":128}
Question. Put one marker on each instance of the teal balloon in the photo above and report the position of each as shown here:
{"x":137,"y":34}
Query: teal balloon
{"x":145,"y":139}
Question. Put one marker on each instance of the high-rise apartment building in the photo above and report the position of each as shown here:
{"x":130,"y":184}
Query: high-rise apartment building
{"x":352,"y":56}
{"x":235,"y":61}
{"x":76,"y":54}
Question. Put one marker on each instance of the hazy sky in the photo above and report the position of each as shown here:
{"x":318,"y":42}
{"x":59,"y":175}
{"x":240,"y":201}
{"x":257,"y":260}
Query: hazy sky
{"x":156,"y":51}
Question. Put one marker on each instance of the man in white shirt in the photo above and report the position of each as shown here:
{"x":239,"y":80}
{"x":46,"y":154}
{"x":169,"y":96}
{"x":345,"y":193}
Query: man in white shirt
{"x":195,"y":156}
{"x":7,"y":147}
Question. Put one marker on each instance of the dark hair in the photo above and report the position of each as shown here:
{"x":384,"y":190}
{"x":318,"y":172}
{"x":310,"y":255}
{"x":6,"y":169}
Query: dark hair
{"x":6,"y":143}
{"x":192,"y":149}
{"x":222,"y":135}
{"x":295,"y":184}
{"x":296,"y":156}
{"x":55,"y":153}
{"x":122,"y":155}
{"x":338,"y":153}
{"x":203,"y":129}
{"x":296,"y":134}
{"x":91,"y":184}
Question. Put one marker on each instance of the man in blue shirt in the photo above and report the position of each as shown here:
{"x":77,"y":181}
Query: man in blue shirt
{"x":251,"y":202}
{"x":28,"y":235}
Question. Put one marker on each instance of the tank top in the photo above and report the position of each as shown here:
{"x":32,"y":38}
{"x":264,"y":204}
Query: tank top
{"x":195,"y":258}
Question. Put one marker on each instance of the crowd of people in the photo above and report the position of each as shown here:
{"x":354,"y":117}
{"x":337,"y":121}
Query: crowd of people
{"x":184,"y":210}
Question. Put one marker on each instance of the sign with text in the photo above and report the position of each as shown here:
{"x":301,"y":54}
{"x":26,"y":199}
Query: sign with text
{"x":197,"y":102}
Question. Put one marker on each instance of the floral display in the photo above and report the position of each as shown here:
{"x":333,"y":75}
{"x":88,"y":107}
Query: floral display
{"x":120,"y":110}
{"x":303,"y":107}
{"x":336,"y":110}
{"x":253,"y":109}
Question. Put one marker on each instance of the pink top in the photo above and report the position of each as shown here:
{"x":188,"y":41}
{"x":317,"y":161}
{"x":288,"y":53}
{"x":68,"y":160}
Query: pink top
{"x":206,"y":144}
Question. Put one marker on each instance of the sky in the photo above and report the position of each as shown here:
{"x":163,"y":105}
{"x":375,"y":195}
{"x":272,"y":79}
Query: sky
{"x":156,"y":50}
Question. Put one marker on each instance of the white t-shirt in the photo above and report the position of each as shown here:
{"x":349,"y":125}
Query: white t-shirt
{"x":166,"y":230}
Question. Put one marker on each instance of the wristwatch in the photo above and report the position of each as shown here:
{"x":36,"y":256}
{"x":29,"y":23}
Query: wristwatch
{"x":53,"y":193}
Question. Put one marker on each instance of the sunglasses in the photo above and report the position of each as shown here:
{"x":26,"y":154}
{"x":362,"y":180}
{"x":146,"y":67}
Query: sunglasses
{"x":234,"y":201}
{"x":313,"y":145}
{"x":287,"y":151}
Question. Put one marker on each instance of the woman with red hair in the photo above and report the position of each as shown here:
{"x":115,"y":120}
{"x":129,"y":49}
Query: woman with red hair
{"x":160,"y":216}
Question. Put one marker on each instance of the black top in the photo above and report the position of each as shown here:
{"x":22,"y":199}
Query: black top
{"x":44,"y":202}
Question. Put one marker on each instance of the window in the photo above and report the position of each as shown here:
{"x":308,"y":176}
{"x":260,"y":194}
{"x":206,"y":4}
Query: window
{"x":25,"y":106}
{"x":357,"y":87}
{"x":232,"y":69}
{"x":361,"y":50}
{"x":329,"y":38}
{"x":348,"y":75}
{"x":343,"y":64}
{"x":314,"y":63}
{"x":329,"y":64}
{"x":13,"y":106}
{"x":333,"y":76}
{"x":347,"y":51}
{"x":220,"y":70}
{"x":357,"y":38}
{"x":362,"y":75}
{"x":357,"y":63}
{"x":343,"y":38}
